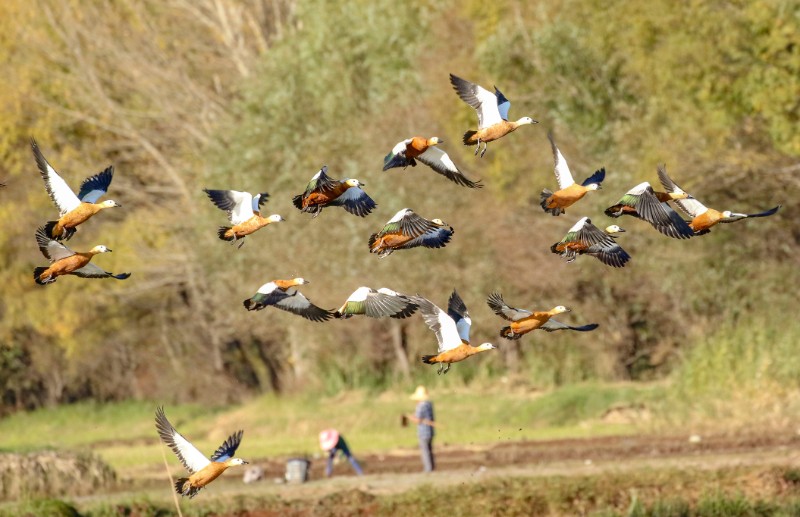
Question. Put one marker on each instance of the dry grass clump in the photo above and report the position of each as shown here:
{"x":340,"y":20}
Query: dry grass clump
{"x":49,"y":474}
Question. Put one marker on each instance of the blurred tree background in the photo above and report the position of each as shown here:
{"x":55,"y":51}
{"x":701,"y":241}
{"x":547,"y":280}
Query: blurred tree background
{"x":257,"y":95}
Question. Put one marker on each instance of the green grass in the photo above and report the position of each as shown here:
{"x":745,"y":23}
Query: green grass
{"x":124,"y":434}
{"x":746,"y":367}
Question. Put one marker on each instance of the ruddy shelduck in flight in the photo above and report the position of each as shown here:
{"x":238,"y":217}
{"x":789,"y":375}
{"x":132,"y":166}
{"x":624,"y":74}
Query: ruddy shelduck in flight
{"x":64,"y":261}
{"x":408,"y":151}
{"x":649,"y":205}
{"x":73,"y":210}
{"x":323,"y":191}
{"x":452,"y":332}
{"x":408,"y":230}
{"x":202,"y":470}
{"x":568,"y":191}
{"x":376,"y":304}
{"x":586,"y":238}
{"x":524,"y":321}
{"x":244,"y":213}
{"x":283,"y":294}
{"x":492,"y":111}
{"x":703,"y":218}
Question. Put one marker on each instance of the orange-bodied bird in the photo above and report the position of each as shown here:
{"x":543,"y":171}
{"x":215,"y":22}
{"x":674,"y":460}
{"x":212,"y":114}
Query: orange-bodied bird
{"x":201,"y":469}
{"x":73,"y":210}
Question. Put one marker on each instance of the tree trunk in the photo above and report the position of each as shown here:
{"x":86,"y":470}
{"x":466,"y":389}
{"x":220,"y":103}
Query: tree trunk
{"x":400,"y":345}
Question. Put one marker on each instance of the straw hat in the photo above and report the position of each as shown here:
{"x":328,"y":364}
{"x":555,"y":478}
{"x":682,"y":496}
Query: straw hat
{"x":421,"y":393}
{"x":328,"y":439}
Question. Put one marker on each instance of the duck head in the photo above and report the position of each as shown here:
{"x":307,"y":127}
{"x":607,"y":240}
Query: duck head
{"x":110,"y":203}
{"x":561,"y":309}
{"x":352,"y":182}
{"x":611,"y":230}
{"x":275,"y":218}
{"x":99,"y":249}
{"x":526,"y":120}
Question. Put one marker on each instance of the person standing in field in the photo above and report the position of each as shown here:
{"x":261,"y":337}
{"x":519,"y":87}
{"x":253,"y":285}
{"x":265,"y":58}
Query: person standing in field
{"x":423,"y":416}
{"x":331,"y":441}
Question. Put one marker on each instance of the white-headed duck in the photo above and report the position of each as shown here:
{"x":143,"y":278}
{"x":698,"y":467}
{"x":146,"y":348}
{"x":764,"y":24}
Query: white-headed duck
{"x":408,"y":230}
{"x":452,"y":332}
{"x":244,"y":213}
{"x":64,"y":261}
{"x":524,"y":321}
{"x":584,"y":238}
{"x":376,"y":304}
{"x":73,"y":210}
{"x":703,"y":218}
{"x":408,"y":151}
{"x":568,"y":191}
{"x":202,"y":470}
{"x":323,"y":191}
{"x":492,"y":111}
{"x":649,"y":205}
{"x":284,"y":295}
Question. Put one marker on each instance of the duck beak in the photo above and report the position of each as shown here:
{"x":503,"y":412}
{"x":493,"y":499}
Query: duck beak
{"x":108,"y":250}
{"x":440,"y":142}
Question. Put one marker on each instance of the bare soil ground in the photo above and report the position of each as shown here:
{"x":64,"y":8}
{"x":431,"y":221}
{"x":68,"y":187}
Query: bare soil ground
{"x":568,"y":455}
{"x":756,"y":457}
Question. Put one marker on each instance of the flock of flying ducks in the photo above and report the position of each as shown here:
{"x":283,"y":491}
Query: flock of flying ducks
{"x":404,"y":230}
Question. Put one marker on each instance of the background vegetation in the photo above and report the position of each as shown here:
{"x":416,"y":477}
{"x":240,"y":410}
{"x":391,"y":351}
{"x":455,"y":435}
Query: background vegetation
{"x":182,"y":95}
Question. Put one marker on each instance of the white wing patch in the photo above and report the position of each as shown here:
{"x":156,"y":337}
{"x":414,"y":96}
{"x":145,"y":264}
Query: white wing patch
{"x":398,"y":216}
{"x":563,"y":175}
{"x":267,"y":288}
{"x":639,"y":189}
{"x":441,"y":324}
{"x":488,"y":114}
{"x":360,"y":294}
{"x":63,"y":196}
{"x":400,"y":148}
{"x":244,"y":207}
{"x":192,"y":459}
{"x":577,"y":226}
{"x":434,"y":155}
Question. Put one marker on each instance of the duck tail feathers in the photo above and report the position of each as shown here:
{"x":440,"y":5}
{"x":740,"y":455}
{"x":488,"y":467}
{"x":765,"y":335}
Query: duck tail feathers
{"x":507,"y":333}
{"x":222,"y":232}
{"x":50,"y":230}
{"x":427,"y":359}
{"x":183,"y":487}
{"x":545,"y":195}
{"x":468,"y":140}
{"x":37,"y":272}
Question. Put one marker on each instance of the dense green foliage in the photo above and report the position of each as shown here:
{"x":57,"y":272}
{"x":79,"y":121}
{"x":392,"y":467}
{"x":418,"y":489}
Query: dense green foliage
{"x":180,"y":96}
